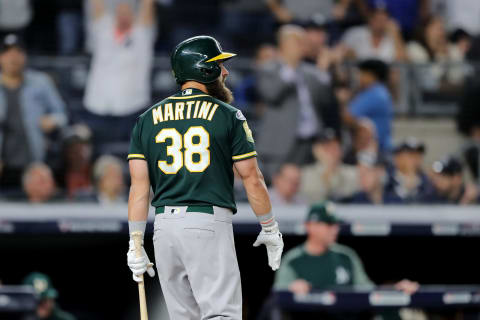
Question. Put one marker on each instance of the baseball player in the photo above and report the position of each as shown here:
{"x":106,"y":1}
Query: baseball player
{"x":185,"y":148}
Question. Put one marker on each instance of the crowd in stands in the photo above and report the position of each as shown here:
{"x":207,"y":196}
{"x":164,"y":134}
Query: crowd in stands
{"x":322,"y":131}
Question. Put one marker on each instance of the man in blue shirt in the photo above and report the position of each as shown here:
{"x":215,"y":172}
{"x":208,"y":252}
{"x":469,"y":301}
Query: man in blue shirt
{"x":374,"y":102}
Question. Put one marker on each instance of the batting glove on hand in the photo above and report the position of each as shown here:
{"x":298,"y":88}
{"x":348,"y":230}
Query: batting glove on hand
{"x":272,"y":239}
{"x":139,"y":265}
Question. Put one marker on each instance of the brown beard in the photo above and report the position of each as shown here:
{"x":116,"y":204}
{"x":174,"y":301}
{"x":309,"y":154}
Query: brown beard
{"x":217,"y":89}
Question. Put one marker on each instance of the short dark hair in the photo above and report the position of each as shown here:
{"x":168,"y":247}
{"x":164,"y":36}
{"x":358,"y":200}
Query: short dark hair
{"x":376,"y":67}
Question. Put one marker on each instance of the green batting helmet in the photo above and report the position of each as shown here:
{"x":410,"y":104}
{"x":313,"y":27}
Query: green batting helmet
{"x":197,"y":59}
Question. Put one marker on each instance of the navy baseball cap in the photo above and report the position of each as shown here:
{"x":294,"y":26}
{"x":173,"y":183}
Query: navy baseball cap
{"x":326,"y":135}
{"x":11,"y":41}
{"x":323,"y":212}
{"x":448,"y":166}
{"x":410,"y":144}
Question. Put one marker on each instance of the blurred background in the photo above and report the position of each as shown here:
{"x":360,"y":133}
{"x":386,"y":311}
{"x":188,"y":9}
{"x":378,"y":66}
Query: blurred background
{"x":373,"y":105}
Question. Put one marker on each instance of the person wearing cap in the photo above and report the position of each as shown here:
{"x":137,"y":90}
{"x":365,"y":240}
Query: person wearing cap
{"x":407,"y":182}
{"x":30,"y":109}
{"x":328,"y":178}
{"x":76,"y":173}
{"x":47,"y":308}
{"x":449,"y":185}
{"x":372,"y":102}
{"x":320,"y":262}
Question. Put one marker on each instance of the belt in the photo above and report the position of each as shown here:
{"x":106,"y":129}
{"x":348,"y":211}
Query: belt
{"x":203,"y":209}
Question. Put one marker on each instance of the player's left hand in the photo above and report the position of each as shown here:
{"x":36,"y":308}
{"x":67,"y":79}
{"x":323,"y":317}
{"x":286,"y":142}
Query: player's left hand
{"x":140,"y":265}
{"x":272,"y":239}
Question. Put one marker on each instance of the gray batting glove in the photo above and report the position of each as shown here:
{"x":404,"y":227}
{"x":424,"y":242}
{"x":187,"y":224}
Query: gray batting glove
{"x":272,"y":239}
{"x":139,"y":265}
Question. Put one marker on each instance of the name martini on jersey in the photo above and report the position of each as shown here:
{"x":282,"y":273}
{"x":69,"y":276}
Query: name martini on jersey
{"x":195,"y":109}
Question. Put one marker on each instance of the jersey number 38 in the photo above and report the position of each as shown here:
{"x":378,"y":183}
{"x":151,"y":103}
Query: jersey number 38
{"x":185,"y":157}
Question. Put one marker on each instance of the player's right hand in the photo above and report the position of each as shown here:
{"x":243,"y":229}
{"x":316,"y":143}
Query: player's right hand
{"x":272,"y":239}
{"x":139,"y":265}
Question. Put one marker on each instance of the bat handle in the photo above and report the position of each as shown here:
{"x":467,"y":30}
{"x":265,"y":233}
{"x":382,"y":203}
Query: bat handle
{"x":137,"y":237}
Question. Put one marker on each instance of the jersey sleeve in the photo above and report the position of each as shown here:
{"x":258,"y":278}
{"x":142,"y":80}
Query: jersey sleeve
{"x":136,"y":151}
{"x":243,"y":145}
{"x":360,"y":277}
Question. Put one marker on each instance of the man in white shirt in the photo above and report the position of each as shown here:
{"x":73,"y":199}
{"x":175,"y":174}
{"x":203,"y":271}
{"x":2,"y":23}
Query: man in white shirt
{"x":119,"y":81}
{"x":379,"y":39}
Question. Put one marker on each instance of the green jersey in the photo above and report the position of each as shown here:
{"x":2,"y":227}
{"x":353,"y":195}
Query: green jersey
{"x":338,"y":266}
{"x":190,"y":142}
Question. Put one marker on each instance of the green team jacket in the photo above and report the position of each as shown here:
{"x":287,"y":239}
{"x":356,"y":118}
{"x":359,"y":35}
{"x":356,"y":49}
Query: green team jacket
{"x":339,"y":266}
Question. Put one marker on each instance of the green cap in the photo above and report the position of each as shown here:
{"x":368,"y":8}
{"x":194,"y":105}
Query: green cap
{"x":323,"y":212}
{"x":197,"y":59}
{"x":42,"y":285}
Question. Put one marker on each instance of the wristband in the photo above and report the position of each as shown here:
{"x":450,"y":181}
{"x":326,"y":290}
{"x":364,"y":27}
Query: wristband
{"x":266,"y":220}
{"x":137,"y":226}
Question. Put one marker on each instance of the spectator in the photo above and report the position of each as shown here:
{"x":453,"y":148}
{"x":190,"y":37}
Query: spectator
{"x":379,"y":39}
{"x":47,"y":308}
{"x":407,"y":183}
{"x":373,"y":101}
{"x":69,"y":25}
{"x":328,"y":178}
{"x":242,"y":18}
{"x":30,"y":110}
{"x":109,"y":182}
{"x":77,"y":158}
{"x":321,"y":263}
{"x":245,"y":93}
{"x":449,"y":185}
{"x":408,"y":13}
{"x":468,"y":117}
{"x":328,"y":60}
{"x":365,"y":144}
{"x":299,"y":101}
{"x":300,"y":11}
{"x":285,"y":186}
{"x":38,"y":183}
{"x":372,"y":177}
{"x":471,"y":153}
{"x":432,"y":47}
{"x":316,"y":39}
{"x":118,"y":86}
{"x":15,"y":16}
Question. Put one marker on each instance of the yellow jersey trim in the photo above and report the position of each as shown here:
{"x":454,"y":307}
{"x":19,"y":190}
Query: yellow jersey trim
{"x":243,"y":156}
{"x":136,"y":155}
{"x":188,"y":97}
{"x":222,"y":56}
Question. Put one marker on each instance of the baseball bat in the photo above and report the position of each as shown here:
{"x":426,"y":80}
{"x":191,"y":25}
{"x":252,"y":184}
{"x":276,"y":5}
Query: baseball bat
{"x":137,"y":240}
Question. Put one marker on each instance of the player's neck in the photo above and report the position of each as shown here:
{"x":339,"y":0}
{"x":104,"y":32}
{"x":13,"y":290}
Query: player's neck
{"x":194,"y":85}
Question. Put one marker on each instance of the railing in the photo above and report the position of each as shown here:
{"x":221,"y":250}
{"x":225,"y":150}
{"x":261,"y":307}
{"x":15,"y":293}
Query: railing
{"x":358,"y":220}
